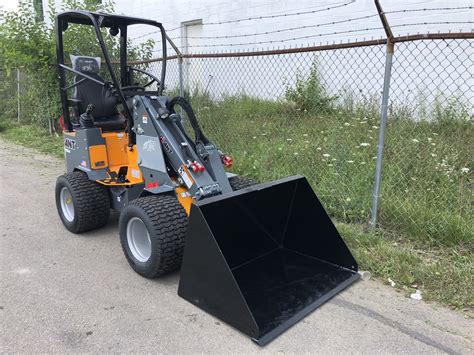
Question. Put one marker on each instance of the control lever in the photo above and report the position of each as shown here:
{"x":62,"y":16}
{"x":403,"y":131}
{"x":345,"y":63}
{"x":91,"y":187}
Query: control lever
{"x":86,"y":120}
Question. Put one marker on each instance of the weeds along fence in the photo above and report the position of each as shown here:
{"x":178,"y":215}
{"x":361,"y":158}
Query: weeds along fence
{"x":316,"y":111}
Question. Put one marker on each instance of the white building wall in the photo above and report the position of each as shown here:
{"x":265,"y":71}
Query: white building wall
{"x":358,"y":70}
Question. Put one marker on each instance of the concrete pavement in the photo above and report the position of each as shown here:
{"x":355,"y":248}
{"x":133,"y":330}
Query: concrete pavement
{"x":62,"y":292}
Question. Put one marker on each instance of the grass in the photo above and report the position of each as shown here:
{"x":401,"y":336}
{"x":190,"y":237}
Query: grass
{"x":425,"y":240}
{"x":33,"y":137}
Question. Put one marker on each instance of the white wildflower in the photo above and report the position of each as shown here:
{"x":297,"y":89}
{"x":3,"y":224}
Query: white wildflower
{"x":465,"y":170}
{"x":430,"y":139}
{"x":347,"y":124}
{"x":305,"y":134}
{"x":288,"y":139}
{"x":415,"y":140}
{"x":433,"y":155}
{"x":364,"y":144}
{"x":330,"y":165}
{"x":375,"y":127}
{"x":318,"y":148}
{"x":391,"y":282}
{"x":280,"y":148}
{"x":362,"y":163}
{"x":326,"y":155}
{"x":348,"y":199}
{"x":254,"y":137}
{"x":433,"y":144}
{"x":295,"y":153}
{"x":350,"y":161}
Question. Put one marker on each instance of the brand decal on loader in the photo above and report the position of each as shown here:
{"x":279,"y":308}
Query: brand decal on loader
{"x":149,"y":145}
{"x":166,"y":145}
{"x":186,"y":176}
{"x":69,"y":143}
{"x":145,"y":118}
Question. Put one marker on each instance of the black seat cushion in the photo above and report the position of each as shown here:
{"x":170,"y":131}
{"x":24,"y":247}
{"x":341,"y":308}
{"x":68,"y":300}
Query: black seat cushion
{"x":90,"y":92}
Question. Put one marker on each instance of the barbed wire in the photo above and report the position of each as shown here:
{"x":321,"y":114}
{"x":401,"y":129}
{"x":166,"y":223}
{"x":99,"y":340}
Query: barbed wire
{"x":283,"y":15}
{"x":260,"y":17}
{"x":430,"y":9}
{"x":327,"y":34}
{"x":304,"y":27}
{"x":284,"y":40}
{"x":283,"y":30}
{"x":318,"y":25}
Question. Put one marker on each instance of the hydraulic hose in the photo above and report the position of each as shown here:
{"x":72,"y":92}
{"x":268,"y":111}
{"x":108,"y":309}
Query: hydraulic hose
{"x":186,"y":106}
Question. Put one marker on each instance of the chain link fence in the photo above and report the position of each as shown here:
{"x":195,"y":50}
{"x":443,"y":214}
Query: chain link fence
{"x":316,"y":112}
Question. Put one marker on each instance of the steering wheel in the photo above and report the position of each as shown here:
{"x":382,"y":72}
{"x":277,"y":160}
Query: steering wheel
{"x":154,"y":79}
{"x":134,"y":87}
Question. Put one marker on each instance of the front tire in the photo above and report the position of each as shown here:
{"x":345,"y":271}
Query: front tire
{"x":152,"y":232}
{"x":241,"y":182}
{"x":82,"y":204}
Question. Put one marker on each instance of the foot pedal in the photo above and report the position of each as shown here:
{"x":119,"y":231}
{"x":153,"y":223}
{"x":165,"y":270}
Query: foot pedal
{"x":122,"y":174}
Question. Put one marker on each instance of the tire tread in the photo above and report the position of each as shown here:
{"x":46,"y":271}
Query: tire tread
{"x":93,"y":203}
{"x":170,"y":223}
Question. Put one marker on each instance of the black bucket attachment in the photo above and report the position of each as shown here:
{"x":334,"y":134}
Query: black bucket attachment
{"x":264,"y":257}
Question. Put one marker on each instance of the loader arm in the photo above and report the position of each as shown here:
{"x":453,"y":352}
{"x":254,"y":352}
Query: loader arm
{"x":162,"y":144}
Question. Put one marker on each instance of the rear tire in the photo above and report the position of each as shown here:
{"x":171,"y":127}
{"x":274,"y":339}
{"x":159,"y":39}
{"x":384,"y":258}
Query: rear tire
{"x":241,"y":182}
{"x":152,"y":232}
{"x":82,"y":204}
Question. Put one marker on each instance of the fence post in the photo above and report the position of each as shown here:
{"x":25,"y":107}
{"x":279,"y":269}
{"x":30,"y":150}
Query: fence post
{"x":18,"y":93}
{"x":383,"y":114}
{"x":180,"y":65}
{"x":181,"y":78}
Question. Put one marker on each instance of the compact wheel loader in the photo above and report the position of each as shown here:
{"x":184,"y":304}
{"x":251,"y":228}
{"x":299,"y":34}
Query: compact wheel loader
{"x":258,"y":256}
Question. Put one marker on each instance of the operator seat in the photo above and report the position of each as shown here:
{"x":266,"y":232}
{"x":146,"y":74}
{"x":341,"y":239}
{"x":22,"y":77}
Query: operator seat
{"x":88,"y":92}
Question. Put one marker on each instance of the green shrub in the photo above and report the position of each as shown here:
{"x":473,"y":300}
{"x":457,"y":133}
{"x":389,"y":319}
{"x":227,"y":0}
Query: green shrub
{"x":309,"y":93}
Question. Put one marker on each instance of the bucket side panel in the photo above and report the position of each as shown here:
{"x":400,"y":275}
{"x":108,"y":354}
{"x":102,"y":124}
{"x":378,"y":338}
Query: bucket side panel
{"x":206,"y":280}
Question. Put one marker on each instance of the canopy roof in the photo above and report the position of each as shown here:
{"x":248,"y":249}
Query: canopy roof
{"x":108,"y":20}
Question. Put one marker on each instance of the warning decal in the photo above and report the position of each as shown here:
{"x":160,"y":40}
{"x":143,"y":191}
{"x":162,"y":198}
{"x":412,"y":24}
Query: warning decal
{"x":186,"y":176}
